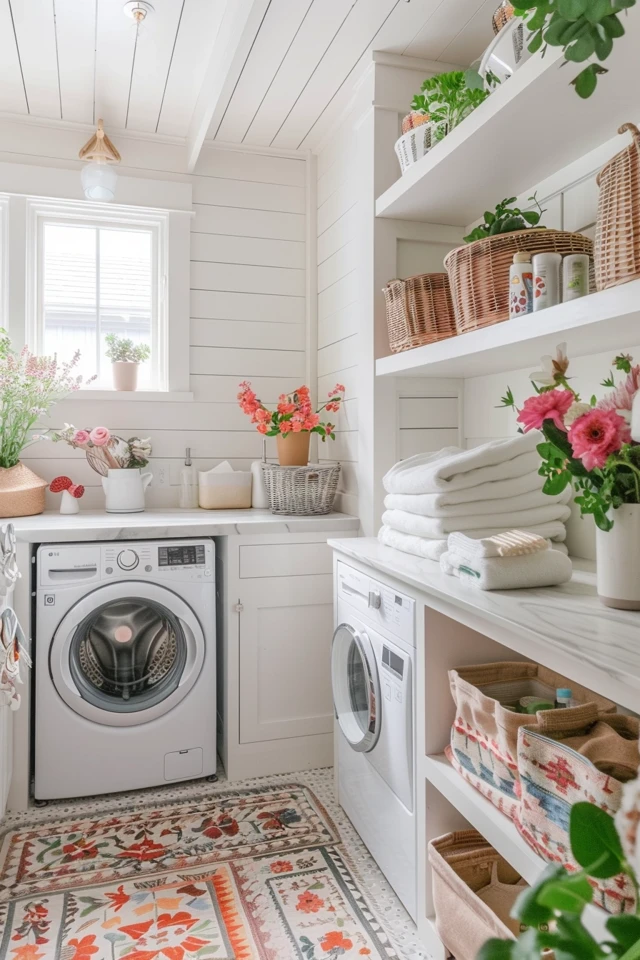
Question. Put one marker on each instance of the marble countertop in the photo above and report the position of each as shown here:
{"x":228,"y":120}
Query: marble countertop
{"x":567,"y":628}
{"x":53,"y":527}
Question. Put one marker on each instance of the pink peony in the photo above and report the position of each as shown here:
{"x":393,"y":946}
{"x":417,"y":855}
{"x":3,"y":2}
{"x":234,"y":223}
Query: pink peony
{"x":80,"y":437}
{"x":596,"y":435}
{"x":99,"y":436}
{"x":551,"y":405}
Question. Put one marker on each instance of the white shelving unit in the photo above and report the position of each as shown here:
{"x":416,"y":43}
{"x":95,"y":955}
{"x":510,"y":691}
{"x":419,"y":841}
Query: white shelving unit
{"x":589,"y":325}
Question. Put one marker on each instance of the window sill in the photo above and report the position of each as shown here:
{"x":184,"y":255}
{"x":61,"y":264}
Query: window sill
{"x":167,"y":396}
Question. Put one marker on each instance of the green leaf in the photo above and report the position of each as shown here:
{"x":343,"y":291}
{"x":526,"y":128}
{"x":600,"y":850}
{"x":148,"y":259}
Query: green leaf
{"x":536,"y":42}
{"x":496,"y":950}
{"x":527,"y":909}
{"x":512,"y":223}
{"x":598,"y":9}
{"x":581,"y":49}
{"x":473,"y":80}
{"x":572,"y":9}
{"x":531,"y":216}
{"x":554,"y":33}
{"x":595,"y":843}
{"x":625,"y":928}
{"x":570,"y":894}
{"x":555,"y":484}
{"x":585,"y":83}
{"x":604,"y":46}
{"x":613,"y":26}
{"x":489,"y":217}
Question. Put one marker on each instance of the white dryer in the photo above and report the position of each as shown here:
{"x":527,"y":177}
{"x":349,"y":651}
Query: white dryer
{"x":125,"y":666}
{"x":372,"y":672}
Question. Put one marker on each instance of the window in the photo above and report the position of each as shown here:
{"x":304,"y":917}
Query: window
{"x":4,"y":264}
{"x":96,"y":275}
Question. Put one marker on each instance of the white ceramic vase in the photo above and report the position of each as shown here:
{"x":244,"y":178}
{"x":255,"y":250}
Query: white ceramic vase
{"x":618,"y":559}
{"x":125,"y":375}
{"x":125,"y":489}
{"x":69,"y":504}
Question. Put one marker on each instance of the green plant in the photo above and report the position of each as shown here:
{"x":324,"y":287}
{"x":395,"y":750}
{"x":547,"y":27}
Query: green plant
{"x":506,"y":219}
{"x":448,"y":99}
{"x":124,"y":350}
{"x":557,"y":901}
{"x":583,"y":28}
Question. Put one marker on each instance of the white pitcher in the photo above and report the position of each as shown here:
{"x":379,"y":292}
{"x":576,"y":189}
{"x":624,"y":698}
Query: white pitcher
{"x":125,"y":489}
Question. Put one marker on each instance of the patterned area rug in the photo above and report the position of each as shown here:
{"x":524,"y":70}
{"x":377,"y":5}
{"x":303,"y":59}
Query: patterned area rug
{"x":252,"y":875}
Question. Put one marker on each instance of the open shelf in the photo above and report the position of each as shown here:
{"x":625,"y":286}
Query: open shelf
{"x":588,"y":325}
{"x":498,"y":829}
{"x":530,"y":127}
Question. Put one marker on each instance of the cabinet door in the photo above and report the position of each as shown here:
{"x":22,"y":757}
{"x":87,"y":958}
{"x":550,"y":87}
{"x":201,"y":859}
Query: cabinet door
{"x":286,"y":627}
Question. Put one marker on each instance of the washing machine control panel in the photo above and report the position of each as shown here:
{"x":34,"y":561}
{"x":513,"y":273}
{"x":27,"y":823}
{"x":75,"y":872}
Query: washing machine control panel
{"x":128,"y":559}
{"x":380,"y":603}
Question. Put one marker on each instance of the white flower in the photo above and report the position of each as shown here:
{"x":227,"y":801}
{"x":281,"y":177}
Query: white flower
{"x":576,"y":410}
{"x":551,"y":367}
{"x":140,"y":449}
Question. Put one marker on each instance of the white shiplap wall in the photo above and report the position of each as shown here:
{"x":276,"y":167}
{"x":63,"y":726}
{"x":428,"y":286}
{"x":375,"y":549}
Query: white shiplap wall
{"x":248,"y":320}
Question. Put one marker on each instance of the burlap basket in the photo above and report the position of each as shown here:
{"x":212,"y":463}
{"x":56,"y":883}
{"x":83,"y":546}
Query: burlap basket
{"x":617,"y":247}
{"x":479,"y":271}
{"x":484,"y":735}
{"x":419,"y":311}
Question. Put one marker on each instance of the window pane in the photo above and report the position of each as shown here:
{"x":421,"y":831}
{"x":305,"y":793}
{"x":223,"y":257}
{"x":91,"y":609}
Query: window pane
{"x":69,"y":293}
{"x":125,"y":290}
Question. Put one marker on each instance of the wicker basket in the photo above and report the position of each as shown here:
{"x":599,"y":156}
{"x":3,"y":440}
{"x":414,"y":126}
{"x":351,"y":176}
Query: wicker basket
{"x":617,"y":248}
{"x":479,"y":271}
{"x":301,"y":491}
{"x":419,"y":310}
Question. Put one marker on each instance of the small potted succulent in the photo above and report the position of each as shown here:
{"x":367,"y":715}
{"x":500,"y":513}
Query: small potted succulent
{"x":71,"y":493}
{"x":126,"y":356}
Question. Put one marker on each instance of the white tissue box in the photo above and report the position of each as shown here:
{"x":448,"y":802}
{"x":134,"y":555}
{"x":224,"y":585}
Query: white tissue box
{"x":224,"y":490}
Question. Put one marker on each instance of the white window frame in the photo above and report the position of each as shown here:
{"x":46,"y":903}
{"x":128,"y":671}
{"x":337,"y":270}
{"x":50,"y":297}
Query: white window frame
{"x":4,"y":261}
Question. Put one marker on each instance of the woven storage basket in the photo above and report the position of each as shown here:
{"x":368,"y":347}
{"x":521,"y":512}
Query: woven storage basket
{"x":617,"y":247}
{"x":301,"y":491}
{"x":419,"y":310}
{"x":479,"y":271}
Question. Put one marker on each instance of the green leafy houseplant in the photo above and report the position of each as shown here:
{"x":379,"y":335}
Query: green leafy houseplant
{"x":448,"y":99}
{"x":506,"y":219}
{"x":124,"y":350}
{"x":583,"y":28}
{"x":553,"y":908}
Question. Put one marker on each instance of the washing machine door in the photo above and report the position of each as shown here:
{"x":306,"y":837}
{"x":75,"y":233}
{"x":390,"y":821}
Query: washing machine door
{"x":356,"y":688}
{"x":126,"y":653}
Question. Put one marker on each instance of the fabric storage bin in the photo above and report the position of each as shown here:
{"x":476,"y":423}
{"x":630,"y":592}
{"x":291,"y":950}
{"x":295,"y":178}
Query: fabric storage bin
{"x":565,"y":757}
{"x":474,"y":889}
{"x":224,"y":491}
{"x":484,"y":735}
{"x":419,"y":311}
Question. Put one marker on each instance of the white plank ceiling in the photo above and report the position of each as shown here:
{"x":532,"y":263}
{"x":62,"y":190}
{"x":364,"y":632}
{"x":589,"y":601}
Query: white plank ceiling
{"x":77,"y":60}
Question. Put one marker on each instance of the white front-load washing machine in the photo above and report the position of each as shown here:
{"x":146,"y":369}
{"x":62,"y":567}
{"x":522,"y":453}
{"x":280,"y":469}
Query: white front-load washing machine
{"x":372,"y":674}
{"x":125,"y":666}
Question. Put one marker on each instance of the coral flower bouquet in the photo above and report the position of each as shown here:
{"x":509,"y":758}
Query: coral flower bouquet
{"x":588,"y":443}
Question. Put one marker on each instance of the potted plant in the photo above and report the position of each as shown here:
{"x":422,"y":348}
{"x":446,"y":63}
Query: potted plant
{"x":29,"y":386}
{"x":590,"y":445}
{"x":293,"y":421}
{"x":126,"y":356}
{"x":447,"y":98}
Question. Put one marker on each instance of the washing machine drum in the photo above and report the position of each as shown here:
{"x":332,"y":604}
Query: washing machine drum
{"x":128,"y":654}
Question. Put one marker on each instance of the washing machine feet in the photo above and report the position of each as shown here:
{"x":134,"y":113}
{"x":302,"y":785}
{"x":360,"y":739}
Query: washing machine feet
{"x":213,"y":778}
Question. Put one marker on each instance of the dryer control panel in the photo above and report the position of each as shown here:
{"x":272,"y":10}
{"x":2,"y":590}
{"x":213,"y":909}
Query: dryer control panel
{"x":377,"y":601}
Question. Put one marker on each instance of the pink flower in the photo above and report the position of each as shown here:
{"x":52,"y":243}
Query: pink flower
{"x":99,"y":436}
{"x":596,"y":435}
{"x":551,"y":405}
{"x":262,"y":415}
{"x":80,"y":437}
{"x":286,"y":426}
{"x":339,"y":388}
{"x":622,"y":397}
{"x":262,"y":428}
{"x":285,"y":408}
{"x":296,"y":425}
{"x":312,"y":421}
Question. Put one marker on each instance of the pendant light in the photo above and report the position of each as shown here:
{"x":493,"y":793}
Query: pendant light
{"x":99,"y":177}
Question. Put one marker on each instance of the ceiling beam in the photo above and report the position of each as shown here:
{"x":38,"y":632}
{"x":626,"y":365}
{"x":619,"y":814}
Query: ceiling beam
{"x":239,"y":26}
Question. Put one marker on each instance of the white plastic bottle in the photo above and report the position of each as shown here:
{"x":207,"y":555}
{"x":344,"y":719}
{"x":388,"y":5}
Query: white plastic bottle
{"x":575,"y":276}
{"x":188,"y":487}
{"x":259,"y":498}
{"x":520,"y":285}
{"x":546,"y":280}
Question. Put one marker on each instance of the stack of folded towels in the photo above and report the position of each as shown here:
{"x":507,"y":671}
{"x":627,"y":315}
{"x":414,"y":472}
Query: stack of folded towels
{"x":480,"y":492}
{"x":506,"y":561}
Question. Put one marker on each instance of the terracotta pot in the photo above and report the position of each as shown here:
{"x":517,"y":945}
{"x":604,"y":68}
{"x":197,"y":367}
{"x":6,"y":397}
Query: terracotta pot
{"x":618,"y":559}
{"x":125,"y":375}
{"x":21,"y":492}
{"x":293,"y":449}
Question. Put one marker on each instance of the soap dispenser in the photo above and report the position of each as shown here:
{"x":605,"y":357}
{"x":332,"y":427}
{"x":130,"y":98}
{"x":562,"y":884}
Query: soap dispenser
{"x":188,"y":489}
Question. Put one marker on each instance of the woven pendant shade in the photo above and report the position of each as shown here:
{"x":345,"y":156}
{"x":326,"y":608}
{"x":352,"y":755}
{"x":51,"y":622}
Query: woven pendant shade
{"x":99,"y":148}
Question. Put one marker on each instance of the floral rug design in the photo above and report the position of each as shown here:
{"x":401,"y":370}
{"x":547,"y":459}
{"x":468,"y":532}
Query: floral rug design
{"x":304,"y":904}
{"x":95,"y":850}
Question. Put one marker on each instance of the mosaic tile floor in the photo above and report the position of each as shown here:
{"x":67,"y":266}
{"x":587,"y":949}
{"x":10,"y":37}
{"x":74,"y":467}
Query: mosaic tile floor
{"x":389,"y":911}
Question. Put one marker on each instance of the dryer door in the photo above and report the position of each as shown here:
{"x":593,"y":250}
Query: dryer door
{"x":126,"y":653}
{"x":356,"y":688}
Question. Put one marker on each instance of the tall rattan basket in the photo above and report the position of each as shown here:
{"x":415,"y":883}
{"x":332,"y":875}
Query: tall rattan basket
{"x":617,"y":247}
{"x":419,"y":311}
{"x":301,"y":491}
{"x":479,"y":271}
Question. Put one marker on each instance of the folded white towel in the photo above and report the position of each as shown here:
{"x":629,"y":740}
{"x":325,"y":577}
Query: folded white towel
{"x":426,"y":504}
{"x":544,"y":569}
{"x":493,"y":490}
{"x":511,"y":543}
{"x":455,"y":469}
{"x":438,"y":527}
{"x":417,"y":546}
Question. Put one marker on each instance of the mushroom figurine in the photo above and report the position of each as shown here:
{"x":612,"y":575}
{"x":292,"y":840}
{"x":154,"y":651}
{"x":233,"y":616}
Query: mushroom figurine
{"x":71,"y":493}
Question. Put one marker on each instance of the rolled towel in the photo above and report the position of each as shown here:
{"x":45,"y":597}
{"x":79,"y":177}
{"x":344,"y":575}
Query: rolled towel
{"x":438,"y":528}
{"x":511,"y":543}
{"x":545,"y":569}
{"x":416,"y":546}
{"x":426,"y":504}
{"x":455,"y":469}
